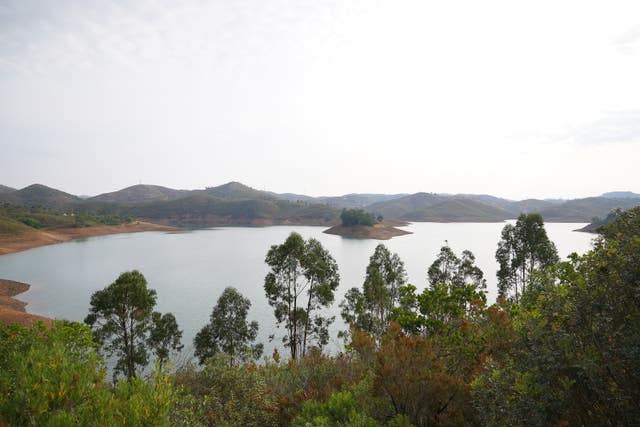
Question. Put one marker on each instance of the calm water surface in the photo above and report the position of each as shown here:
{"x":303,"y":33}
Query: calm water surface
{"x":189,"y":270}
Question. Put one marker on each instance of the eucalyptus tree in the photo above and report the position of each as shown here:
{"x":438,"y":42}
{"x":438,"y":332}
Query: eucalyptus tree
{"x":121,"y":318}
{"x":228,"y":331}
{"x":523,"y":249}
{"x":302,"y":281}
{"x":456,"y":272}
{"x":454,"y":294}
{"x":164,"y":336}
{"x":372,"y":308}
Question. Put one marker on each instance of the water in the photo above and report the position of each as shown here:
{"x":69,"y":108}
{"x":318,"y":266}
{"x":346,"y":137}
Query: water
{"x":189,"y":270}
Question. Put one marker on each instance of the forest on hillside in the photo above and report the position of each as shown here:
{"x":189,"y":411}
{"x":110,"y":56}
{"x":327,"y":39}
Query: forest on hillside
{"x":561,"y":346}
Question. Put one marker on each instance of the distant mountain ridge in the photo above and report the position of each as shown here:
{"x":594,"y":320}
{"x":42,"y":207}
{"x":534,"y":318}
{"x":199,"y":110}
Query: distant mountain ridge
{"x":349,"y":201}
{"x":234,"y":203}
{"x":621,"y":195}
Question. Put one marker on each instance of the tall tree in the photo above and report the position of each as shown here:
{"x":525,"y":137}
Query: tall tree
{"x":164,"y":336}
{"x":120,"y":316}
{"x":455,"y":294}
{"x":450,"y":270}
{"x":371,"y":309}
{"x":228,"y":331}
{"x":523,"y":249}
{"x":302,"y":280}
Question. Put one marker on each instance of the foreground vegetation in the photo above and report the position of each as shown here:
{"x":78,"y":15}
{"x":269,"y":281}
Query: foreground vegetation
{"x":560,"y":347}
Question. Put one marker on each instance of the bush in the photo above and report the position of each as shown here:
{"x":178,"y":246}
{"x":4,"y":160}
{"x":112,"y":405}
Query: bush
{"x":31,"y":222}
{"x":55,"y":377}
{"x":226,"y":395}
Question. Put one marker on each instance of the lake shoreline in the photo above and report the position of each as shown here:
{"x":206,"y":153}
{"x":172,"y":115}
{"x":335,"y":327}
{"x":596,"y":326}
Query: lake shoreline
{"x":13,"y":310}
{"x":25,"y":241}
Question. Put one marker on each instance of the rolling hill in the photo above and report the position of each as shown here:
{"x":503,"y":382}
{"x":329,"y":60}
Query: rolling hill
{"x":349,"y":201}
{"x":584,"y":210}
{"x":4,"y":189}
{"x":458,"y":210}
{"x":236,"y":191}
{"x":203,"y":210}
{"x":621,"y":195}
{"x":406,"y":206}
{"x":41,"y":195}
{"x":234,"y":203}
{"x":140,"y":193}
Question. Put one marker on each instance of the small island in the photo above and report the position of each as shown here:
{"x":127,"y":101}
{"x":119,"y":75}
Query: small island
{"x":360,"y":224}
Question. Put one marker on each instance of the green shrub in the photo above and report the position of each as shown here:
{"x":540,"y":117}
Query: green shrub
{"x":55,"y":377}
{"x":31,"y":222}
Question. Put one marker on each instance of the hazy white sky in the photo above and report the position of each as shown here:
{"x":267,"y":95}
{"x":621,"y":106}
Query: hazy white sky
{"x":516,"y":99}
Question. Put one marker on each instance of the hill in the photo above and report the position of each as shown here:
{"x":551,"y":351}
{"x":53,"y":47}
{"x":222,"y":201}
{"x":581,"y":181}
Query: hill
{"x":496,"y":202}
{"x":4,"y":189}
{"x":353,"y":200}
{"x":584,"y":210}
{"x":140,"y":193}
{"x":458,"y":210}
{"x":236,"y":191}
{"x":484,"y":208}
{"x":530,"y":206}
{"x":228,"y":204}
{"x":403,"y":207}
{"x":621,"y":195}
{"x":204,"y":210}
{"x":234,"y":203}
{"x":41,"y":195}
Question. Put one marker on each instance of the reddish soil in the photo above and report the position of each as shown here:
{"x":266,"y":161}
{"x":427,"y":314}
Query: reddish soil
{"x":13,"y":310}
{"x":22,"y":242}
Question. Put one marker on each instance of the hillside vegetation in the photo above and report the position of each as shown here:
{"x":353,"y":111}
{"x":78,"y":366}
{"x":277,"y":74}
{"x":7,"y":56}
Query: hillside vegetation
{"x":17,"y":219}
{"x":483,"y":208}
{"x":4,"y":189}
{"x":140,"y":193}
{"x":40,"y":195}
{"x":237,"y":204}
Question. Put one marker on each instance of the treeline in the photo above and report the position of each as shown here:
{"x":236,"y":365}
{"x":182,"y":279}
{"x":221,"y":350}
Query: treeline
{"x":561,"y":346}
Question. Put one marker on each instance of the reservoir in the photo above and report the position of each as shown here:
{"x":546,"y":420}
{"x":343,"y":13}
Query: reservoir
{"x":190,"y":269}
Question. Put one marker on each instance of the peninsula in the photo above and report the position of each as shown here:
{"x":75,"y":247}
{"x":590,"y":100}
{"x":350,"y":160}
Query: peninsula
{"x":13,"y":310}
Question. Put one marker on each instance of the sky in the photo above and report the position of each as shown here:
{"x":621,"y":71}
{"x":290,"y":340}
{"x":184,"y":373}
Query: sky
{"x":322,"y":97}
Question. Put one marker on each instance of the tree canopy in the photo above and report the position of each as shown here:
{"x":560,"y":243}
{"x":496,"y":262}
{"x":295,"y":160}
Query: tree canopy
{"x":372,"y":308}
{"x":302,"y":280}
{"x":164,"y":336}
{"x":228,"y":330}
{"x":523,"y":249}
{"x":124,"y":324}
{"x":351,"y":217}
